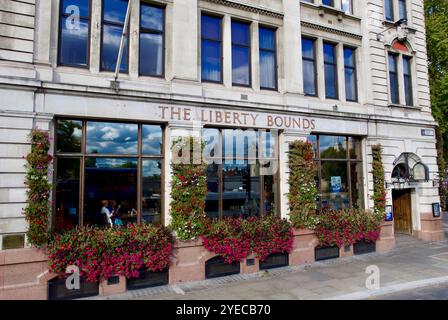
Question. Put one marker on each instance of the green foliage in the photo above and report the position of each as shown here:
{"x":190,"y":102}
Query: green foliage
{"x":379,"y":192}
{"x":302,"y":185}
{"x":436,"y":16}
{"x":37,"y":210}
{"x":188,"y":194}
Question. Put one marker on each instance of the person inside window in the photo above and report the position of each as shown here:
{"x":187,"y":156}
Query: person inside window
{"x":107,"y":214}
{"x":116,"y":211}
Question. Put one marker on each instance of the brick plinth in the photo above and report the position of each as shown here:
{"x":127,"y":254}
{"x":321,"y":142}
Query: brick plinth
{"x":303,"y":250}
{"x":386,"y":241}
{"x":431,"y":228}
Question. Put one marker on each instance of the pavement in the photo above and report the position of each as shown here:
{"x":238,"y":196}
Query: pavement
{"x":413,"y":270}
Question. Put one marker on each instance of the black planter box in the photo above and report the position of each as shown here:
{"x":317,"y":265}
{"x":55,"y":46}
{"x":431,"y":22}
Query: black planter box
{"x":57,"y":290}
{"x":148,"y":279}
{"x":275,"y":260}
{"x":216,"y":267}
{"x":325,"y":253}
{"x":363,"y":247}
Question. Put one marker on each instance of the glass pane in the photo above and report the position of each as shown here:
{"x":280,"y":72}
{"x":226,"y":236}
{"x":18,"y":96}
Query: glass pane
{"x":355,"y":148}
{"x":73,"y":6}
{"x":402,"y":9}
{"x":357,"y":185}
{"x":152,"y":191}
{"x":74,"y":42}
{"x":115,"y":10}
{"x":67,"y":194}
{"x":211,"y":149}
{"x":269,"y":197}
{"x":407,"y":66}
{"x":110,"y":191}
{"x":408,"y":90}
{"x":309,"y":78}
{"x":392,"y":63}
{"x":330,"y":82}
{"x":350,"y":84}
{"x":313,"y":140}
{"x":347,"y":6}
{"x":152,"y":140}
{"x":13,"y":241}
{"x":211,"y":27}
{"x":308,"y":48}
{"x":334,"y":186}
{"x":211,"y":60}
{"x":112,"y":138}
{"x":349,"y":57}
{"x":239,"y":144}
{"x":212,"y":200}
{"x":389,"y":9}
{"x":329,"y":55}
{"x":267,"y":39}
{"x":240,"y":33}
{"x":240,"y":65}
{"x":241,"y":190}
{"x":110,"y":47}
{"x":151,"y":54}
{"x":394,"y":88}
{"x":69,"y":136}
{"x":333,"y":147}
{"x":328,"y":3}
{"x":267,"y":70}
{"x":269,"y":144}
{"x":151,"y":17}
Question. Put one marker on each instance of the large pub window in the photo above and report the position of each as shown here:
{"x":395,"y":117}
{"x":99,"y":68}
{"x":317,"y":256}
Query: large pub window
{"x":242,"y":179}
{"x":340,"y":171}
{"x":105,"y":168}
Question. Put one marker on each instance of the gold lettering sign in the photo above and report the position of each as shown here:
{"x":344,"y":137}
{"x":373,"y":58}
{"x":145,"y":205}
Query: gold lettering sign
{"x":236,"y":118}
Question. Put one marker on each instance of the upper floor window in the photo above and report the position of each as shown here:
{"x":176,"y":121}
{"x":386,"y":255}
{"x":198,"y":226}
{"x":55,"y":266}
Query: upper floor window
{"x":347,"y":6}
{"x":389,"y":10}
{"x":407,"y":75}
{"x":351,"y":91}
{"x":152,"y":25}
{"x":391,"y":7}
{"x":211,"y":48}
{"x":331,"y":73}
{"x":328,"y":3}
{"x":268,"y":59}
{"x":74,"y":33}
{"x":309,"y":67}
{"x":113,"y":18}
{"x":241,"y":53}
{"x":393,"y":78}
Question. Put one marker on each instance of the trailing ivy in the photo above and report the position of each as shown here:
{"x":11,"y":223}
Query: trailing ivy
{"x":37,"y":210}
{"x":379,"y":192}
{"x":188,"y":193}
{"x":302,"y":185}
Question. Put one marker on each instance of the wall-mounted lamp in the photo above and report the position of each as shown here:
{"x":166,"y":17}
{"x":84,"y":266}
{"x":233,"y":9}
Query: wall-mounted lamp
{"x":396,"y":24}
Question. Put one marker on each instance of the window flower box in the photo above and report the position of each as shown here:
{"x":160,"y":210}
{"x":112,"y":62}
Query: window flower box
{"x":325,"y":253}
{"x":363,"y":247}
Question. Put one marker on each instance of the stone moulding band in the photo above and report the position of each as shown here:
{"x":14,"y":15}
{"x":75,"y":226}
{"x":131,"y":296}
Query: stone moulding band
{"x":246,"y":7}
{"x":331,"y":30}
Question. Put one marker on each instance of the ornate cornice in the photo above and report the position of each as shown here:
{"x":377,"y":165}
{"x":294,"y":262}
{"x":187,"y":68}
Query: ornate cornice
{"x":331,"y":30}
{"x":249,"y":8}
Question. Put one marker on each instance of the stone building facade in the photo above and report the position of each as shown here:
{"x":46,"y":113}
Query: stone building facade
{"x":343,"y":74}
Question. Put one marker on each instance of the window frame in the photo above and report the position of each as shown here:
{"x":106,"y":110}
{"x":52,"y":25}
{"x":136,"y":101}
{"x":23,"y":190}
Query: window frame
{"x":140,"y":156}
{"x":222,"y":160}
{"x":221,"y":42}
{"x":274,"y":30}
{"x":396,"y":89}
{"x":314,"y":60}
{"x":334,"y":64}
{"x":89,"y":20}
{"x":152,"y":31}
{"x":351,"y":7}
{"x":348,"y":160}
{"x":115,"y":24}
{"x":249,"y":48}
{"x":354,"y":68}
{"x":409,"y":79}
